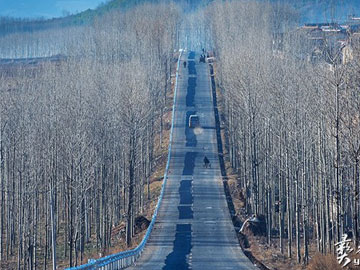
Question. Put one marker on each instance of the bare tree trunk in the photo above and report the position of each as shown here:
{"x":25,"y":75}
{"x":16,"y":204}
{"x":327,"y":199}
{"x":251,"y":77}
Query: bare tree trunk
{"x":288,"y":205}
{"x":337,"y":166}
{"x":2,"y":188}
{"x":297,"y":217}
{"x":129,"y":223}
{"x":356,"y":203}
{"x":281,"y":196}
{"x":53,"y":226}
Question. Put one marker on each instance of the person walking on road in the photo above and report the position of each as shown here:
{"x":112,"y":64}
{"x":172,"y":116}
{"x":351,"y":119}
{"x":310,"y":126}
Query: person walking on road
{"x":207,"y":162}
{"x":184,"y":64}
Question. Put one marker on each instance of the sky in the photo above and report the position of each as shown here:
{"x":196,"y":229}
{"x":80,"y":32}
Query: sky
{"x":44,"y":8}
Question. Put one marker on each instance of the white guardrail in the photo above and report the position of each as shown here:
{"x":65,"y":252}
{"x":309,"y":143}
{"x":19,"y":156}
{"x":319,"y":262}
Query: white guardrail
{"x":126,"y":258}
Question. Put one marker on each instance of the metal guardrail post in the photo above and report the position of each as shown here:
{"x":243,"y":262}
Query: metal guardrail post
{"x":126,"y":258}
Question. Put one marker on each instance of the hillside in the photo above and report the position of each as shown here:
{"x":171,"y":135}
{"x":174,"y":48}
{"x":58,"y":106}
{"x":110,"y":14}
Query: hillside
{"x":310,"y":11}
{"x":11,"y":25}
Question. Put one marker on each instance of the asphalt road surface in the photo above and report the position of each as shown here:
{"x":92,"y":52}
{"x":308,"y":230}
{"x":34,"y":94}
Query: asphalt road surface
{"x":193,"y":229}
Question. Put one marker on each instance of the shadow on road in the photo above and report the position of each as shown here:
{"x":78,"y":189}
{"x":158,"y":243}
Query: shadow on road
{"x":189,"y":163}
{"x":186,"y":200}
{"x":176,"y":260}
{"x":185,"y":212}
{"x":190,"y":94}
{"x":191,"y":55}
{"x":185,"y":192}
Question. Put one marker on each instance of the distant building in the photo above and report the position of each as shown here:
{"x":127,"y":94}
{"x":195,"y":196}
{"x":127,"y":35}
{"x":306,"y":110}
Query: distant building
{"x":329,"y":38}
{"x":354,"y":19}
{"x":319,"y":42}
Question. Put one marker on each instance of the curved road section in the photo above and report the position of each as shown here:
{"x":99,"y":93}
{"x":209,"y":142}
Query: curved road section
{"x":193,"y":228}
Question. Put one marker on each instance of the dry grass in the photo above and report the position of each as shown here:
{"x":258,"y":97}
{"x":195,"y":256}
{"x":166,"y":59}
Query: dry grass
{"x":8,"y":265}
{"x":324,"y":262}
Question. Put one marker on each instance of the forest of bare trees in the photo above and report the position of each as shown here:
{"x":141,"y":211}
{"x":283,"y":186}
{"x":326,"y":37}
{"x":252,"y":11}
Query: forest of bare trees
{"x":77,"y":136}
{"x":292,"y":126}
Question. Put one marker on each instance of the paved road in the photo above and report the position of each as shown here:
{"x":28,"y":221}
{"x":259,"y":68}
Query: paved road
{"x":193,"y":229}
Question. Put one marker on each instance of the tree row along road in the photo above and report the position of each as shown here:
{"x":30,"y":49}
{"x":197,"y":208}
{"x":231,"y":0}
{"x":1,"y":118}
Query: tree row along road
{"x":193,"y":229}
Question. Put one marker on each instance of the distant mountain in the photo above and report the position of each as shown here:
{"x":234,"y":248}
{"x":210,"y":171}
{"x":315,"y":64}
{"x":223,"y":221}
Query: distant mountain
{"x":10,"y":25}
{"x":311,"y":11}
{"x":44,"y":8}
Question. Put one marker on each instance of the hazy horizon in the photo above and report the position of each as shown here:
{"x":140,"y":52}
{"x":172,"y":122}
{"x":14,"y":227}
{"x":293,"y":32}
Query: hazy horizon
{"x":311,"y":10}
{"x":45,"y":8}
